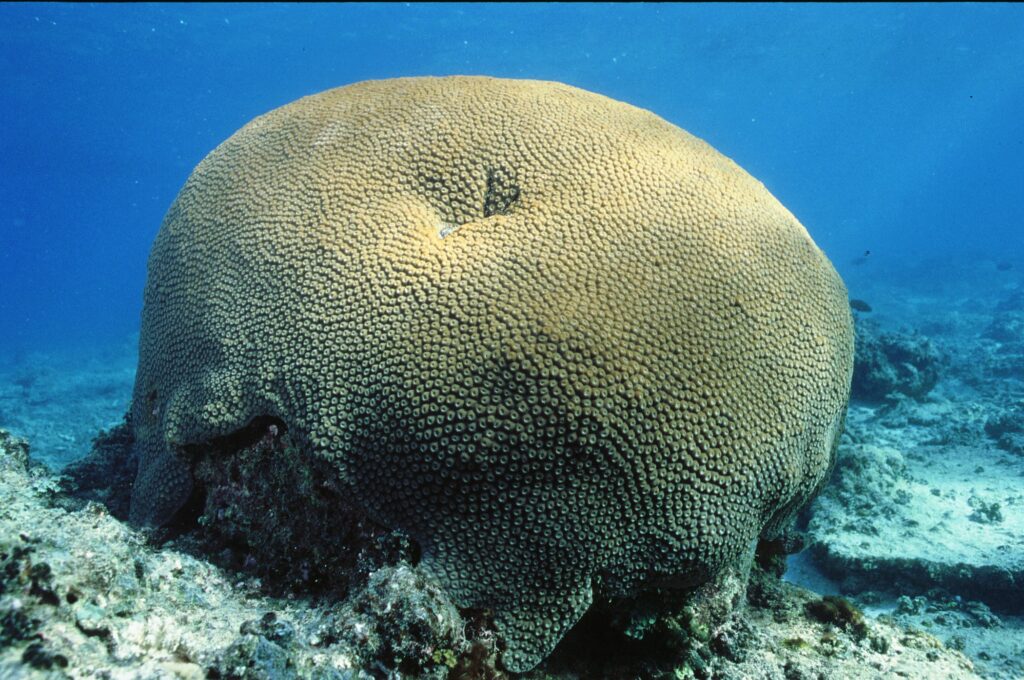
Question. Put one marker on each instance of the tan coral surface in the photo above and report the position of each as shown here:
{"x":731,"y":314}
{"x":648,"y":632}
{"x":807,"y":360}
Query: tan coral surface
{"x":559,"y":341}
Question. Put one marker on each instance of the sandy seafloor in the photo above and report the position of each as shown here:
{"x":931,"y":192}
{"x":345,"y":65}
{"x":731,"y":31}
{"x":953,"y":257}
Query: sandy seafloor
{"x":922,"y":525}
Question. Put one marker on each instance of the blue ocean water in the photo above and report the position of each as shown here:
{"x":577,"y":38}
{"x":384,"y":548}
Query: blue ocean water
{"x":894,"y":129}
{"x":894,"y":132}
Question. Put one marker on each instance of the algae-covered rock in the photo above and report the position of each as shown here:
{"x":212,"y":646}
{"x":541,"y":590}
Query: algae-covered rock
{"x":407,"y":623}
{"x":107,"y":473}
{"x":1007,"y":326}
{"x":263,"y":511}
{"x":254,"y":657}
{"x":1007,"y":428}
{"x":892,"y":362}
{"x":14,"y":450}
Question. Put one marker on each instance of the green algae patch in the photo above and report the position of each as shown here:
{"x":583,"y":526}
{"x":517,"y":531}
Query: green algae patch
{"x":839,"y":612}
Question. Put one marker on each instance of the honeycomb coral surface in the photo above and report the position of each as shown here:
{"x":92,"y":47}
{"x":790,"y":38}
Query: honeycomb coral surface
{"x":560,"y":342}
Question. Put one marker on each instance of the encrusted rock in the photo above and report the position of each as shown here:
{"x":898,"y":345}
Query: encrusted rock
{"x":892,"y":362}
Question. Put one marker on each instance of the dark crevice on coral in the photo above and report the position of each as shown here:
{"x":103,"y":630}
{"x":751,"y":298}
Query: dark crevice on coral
{"x":592,"y":645}
{"x":259,"y":428}
{"x":502,"y":192}
{"x":185,"y":519}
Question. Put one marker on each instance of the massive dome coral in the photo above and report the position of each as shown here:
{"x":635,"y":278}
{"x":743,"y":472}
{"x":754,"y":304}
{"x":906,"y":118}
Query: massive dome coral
{"x":555,"y":339}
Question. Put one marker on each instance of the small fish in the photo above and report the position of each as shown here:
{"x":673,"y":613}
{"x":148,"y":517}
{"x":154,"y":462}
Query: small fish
{"x":859,"y":305}
{"x":1004,"y":265}
{"x":857,"y":261}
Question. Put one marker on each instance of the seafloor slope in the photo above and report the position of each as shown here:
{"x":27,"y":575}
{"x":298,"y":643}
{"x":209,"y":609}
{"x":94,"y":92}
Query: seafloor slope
{"x":923,"y":519}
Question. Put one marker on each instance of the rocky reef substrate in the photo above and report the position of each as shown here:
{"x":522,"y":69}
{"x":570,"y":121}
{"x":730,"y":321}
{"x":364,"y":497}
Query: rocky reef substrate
{"x":83,"y":595}
{"x":923,"y":519}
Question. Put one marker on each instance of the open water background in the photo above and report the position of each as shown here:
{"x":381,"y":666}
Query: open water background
{"x":894,"y":129}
